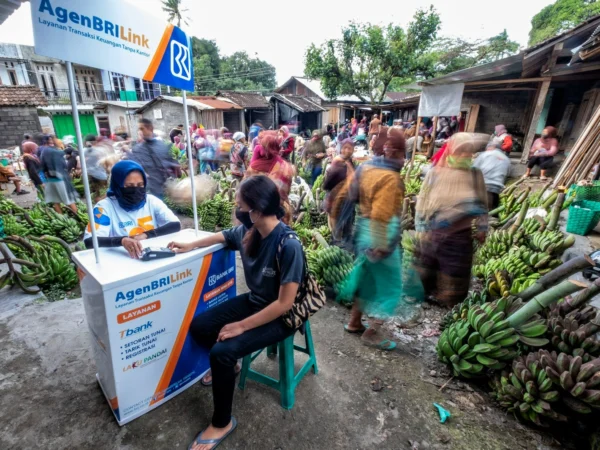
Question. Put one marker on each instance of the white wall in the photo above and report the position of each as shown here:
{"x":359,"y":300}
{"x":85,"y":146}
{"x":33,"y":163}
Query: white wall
{"x":19,"y":68}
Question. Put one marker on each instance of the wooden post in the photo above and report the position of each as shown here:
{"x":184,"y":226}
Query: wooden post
{"x":540,"y":99}
{"x":432,"y":146}
{"x":412,"y":157}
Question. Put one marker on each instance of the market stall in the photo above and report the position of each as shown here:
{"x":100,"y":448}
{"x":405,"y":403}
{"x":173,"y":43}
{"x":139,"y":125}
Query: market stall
{"x":139,"y":313}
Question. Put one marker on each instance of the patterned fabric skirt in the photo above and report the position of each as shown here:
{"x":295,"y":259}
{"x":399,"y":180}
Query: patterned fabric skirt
{"x":445,"y":262}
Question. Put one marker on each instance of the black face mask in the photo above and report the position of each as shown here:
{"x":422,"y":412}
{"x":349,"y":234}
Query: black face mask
{"x":244,"y":218}
{"x":132,"y":196}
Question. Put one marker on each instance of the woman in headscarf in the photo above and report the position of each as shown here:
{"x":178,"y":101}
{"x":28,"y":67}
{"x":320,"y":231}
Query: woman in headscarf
{"x":59,"y":188}
{"x":315,"y":152}
{"x":33,"y":165}
{"x":354,"y":126}
{"x":267,"y":161}
{"x":341,"y":137}
{"x":336,"y":184}
{"x":453,"y":196}
{"x":287,"y":143}
{"x":238,"y":158}
{"x":375,"y":283}
{"x":128,"y":214}
{"x":542,"y":152}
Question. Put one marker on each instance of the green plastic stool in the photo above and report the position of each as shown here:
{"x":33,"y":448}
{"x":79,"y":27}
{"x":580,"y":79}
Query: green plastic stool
{"x":286,"y":385}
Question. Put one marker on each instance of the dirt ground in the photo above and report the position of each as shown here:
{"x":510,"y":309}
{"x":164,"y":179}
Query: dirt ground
{"x":361,"y":398}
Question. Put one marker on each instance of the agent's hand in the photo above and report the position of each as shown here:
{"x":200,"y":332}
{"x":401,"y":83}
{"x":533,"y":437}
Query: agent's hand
{"x":133,"y":247}
{"x":140,"y":237}
{"x":180,"y":247}
{"x":231,"y":330}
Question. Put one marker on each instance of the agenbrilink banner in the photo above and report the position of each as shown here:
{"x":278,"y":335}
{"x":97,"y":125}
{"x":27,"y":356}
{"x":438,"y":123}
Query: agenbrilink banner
{"x":113,"y":35}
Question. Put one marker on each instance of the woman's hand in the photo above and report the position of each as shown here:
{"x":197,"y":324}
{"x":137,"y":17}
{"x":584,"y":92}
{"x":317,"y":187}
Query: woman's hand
{"x":180,"y":247}
{"x":140,"y":237}
{"x":231,"y":330}
{"x":133,"y":247}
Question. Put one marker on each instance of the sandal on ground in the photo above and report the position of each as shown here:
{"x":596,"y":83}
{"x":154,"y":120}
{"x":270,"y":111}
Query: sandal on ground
{"x":360,"y":330}
{"x":385,"y":345}
{"x":544,"y":178}
{"x":214,"y":442}
{"x":209,"y":383}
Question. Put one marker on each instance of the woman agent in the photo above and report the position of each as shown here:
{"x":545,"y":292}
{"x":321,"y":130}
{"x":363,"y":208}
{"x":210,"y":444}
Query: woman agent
{"x":453,"y":196}
{"x":128,"y":214}
{"x":59,"y":188}
{"x":375,"y":282}
{"x":543,"y":151}
{"x":250,"y":321}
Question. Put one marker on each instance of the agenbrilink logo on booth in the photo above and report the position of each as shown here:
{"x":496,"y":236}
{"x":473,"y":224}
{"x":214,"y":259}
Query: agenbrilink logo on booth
{"x":181,"y":63}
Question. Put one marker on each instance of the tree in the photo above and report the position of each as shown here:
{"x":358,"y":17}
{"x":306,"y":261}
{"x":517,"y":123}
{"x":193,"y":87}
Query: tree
{"x":201,"y":47}
{"x":368,"y":57}
{"x":241,"y":72}
{"x":175,"y":11}
{"x":559,"y":17}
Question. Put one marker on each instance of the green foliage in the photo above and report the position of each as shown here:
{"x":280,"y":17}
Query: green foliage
{"x":559,"y":17}
{"x":365,"y":60}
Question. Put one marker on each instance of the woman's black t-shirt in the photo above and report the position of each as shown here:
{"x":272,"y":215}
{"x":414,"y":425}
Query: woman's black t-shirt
{"x":264,"y":276}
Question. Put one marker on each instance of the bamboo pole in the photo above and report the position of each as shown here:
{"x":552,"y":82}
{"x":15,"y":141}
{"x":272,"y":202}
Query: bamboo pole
{"x":432,"y":145}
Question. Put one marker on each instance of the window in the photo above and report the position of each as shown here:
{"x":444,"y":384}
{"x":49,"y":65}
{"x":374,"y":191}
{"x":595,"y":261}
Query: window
{"x":12,"y":75}
{"x":87,"y":86}
{"x":53,"y":83}
{"x":44,"y":83}
{"x":118,"y":83}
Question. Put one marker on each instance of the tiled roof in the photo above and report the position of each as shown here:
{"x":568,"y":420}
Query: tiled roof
{"x":249,"y":100}
{"x":299,"y":103}
{"x":215,"y":102}
{"x":21,"y":95}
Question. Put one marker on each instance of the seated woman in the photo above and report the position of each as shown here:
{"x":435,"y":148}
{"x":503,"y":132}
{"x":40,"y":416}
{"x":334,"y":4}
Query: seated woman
{"x":542,"y":152}
{"x":128,"y":214}
{"x":274,"y":269}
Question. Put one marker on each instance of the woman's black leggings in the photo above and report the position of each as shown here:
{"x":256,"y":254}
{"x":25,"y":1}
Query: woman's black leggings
{"x":205,"y":329}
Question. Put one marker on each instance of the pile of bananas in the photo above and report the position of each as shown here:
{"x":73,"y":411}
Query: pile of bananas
{"x":522,"y":283}
{"x":460,"y":311}
{"x":532,"y":225}
{"x":575,"y":378}
{"x":47,"y":262}
{"x":550,"y":242}
{"x":486,"y":339}
{"x":498,"y":244}
{"x":318,"y":184}
{"x":66,"y":228}
{"x":216,"y":212}
{"x":413,"y":186}
{"x":575,"y":334}
{"x":527,"y":391}
{"x":14,"y":227}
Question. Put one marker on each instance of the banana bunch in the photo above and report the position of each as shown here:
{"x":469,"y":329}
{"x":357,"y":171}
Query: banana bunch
{"x":318,"y":184}
{"x":486,"y":339}
{"x":550,"y":241}
{"x":460,"y":311}
{"x":499,"y":284}
{"x":8,"y":206}
{"x":410,"y":242}
{"x":335,"y":265}
{"x":576,"y":378}
{"x":215,"y":212}
{"x":498,"y":244}
{"x":413,"y":186}
{"x":42,"y":227}
{"x":66,"y":228}
{"x":522,"y":283}
{"x":532,"y":225}
{"x":575,"y":334}
{"x":527,"y":391}
{"x":14,"y":227}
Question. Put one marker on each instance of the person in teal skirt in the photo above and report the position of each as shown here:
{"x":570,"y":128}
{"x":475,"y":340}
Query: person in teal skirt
{"x":375,"y":283}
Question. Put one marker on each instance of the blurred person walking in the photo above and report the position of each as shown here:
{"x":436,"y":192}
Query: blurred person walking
{"x":314,"y":153}
{"x":495,"y":167}
{"x":238,"y":158}
{"x":33,"y":165}
{"x":287,"y":143}
{"x":155,"y":157}
{"x":97,"y":175}
{"x":452,"y":197}
{"x":375,"y":283}
{"x":58,"y":188}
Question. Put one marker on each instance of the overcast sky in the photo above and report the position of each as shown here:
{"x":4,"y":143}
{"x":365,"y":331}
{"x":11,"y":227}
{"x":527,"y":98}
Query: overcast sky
{"x":279,"y":32}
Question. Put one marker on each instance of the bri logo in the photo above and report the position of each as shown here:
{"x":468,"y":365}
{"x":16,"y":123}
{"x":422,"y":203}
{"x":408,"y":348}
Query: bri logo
{"x":153,"y":285}
{"x":212,"y":280}
{"x":132,"y":331}
{"x":96,"y":23}
{"x":180,"y":61}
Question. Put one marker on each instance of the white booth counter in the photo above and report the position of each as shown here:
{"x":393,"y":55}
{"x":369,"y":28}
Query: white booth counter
{"x":139,"y":313}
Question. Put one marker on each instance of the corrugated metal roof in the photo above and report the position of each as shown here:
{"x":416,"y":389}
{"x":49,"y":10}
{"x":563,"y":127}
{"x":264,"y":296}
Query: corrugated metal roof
{"x":214,"y":102}
{"x":315,"y":86}
{"x":21,"y":96}
{"x":302,"y":104}
{"x":497,"y":69}
{"x":193,"y":103}
{"x":7,"y":7}
{"x":248,"y":100}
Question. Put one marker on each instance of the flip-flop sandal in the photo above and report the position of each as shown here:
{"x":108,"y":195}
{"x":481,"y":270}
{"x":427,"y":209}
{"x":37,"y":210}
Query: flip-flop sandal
{"x":385,"y":345}
{"x":209,"y":383}
{"x":214,"y":442}
{"x":357,"y":331}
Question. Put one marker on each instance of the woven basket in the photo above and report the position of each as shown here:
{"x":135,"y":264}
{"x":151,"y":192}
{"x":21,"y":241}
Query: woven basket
{"x":583,"y":217}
